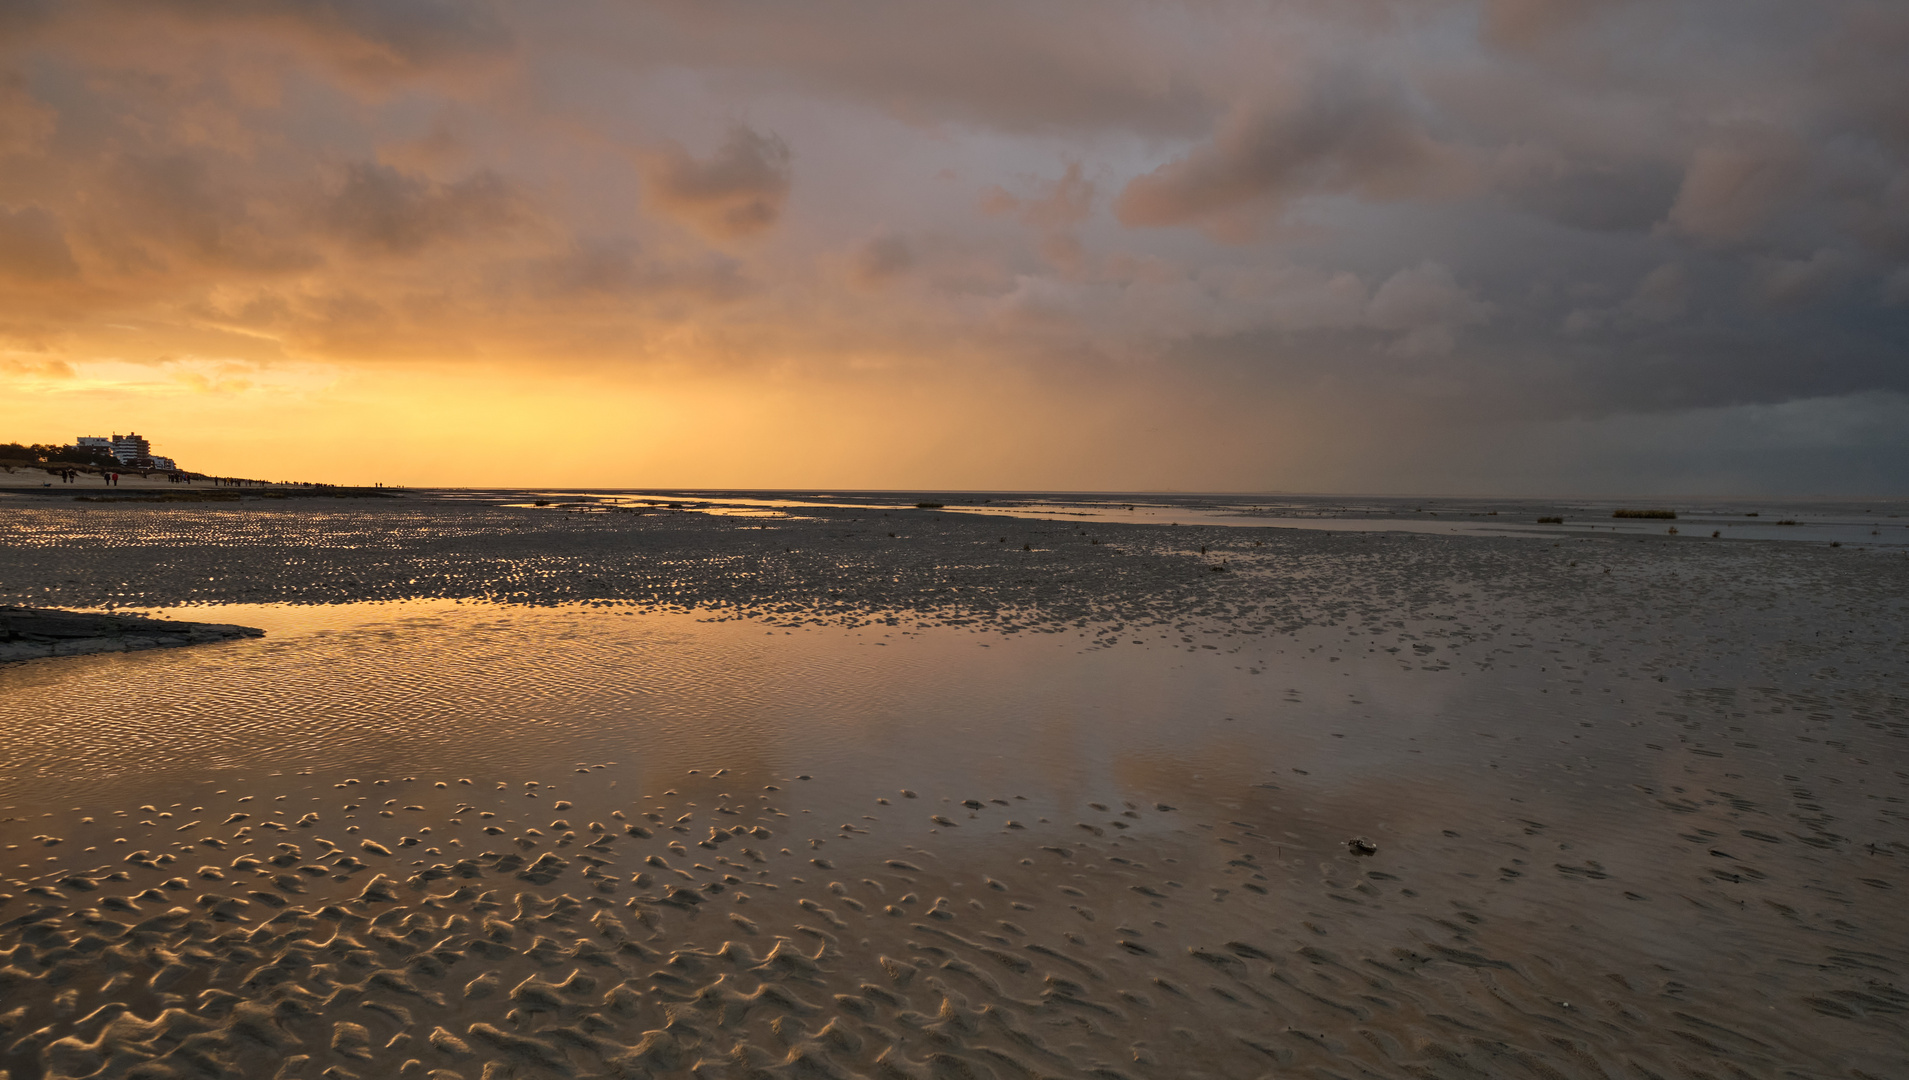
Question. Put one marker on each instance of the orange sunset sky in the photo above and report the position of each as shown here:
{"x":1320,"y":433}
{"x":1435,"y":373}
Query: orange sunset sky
{"x":1498,"y":246}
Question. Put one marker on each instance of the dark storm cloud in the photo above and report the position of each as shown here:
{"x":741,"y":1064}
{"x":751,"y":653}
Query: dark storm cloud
{"x":191,"y":209}
{"x":1857,"y":65}
{"x":1343,"y":134}
{"x":1043,"y":67}
{"x":736,"y":191}
{"x":1527,"y":23}
{"x":1590,"y":194}
{"x":1734,"y":185}
{"x":32,"y":246}
{"x":619,"y":271}
{"x":17,"y":16}
{"x":410,"y":33}
{"x":380,"y":209}
{"x":882,"y":259}
{"x":25,"y":124}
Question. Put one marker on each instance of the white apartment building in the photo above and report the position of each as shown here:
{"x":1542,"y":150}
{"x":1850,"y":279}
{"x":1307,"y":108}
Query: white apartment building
{"x":125,"y":448}
{"x":130,"y":447}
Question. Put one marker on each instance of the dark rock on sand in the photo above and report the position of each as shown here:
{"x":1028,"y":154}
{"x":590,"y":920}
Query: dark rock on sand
{"x":30,"y":633}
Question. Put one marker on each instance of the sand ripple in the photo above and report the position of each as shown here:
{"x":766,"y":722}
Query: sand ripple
{"x":714,"y":932}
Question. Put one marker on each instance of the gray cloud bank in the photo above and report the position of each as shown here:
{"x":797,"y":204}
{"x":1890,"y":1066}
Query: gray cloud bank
{"x":1674,"y":234}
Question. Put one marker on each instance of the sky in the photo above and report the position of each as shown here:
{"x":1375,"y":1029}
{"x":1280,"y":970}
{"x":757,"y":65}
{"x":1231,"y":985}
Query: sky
{"x":1410,"y":246}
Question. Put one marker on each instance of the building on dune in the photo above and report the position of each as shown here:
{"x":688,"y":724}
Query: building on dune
{"x":131,"y":450}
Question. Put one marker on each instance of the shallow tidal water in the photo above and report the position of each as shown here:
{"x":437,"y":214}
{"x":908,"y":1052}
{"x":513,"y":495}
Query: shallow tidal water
{"x":441,"y":837}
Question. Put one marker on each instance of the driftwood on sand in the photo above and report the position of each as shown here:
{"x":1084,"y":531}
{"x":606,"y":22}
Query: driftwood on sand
{"x":30,"y":633}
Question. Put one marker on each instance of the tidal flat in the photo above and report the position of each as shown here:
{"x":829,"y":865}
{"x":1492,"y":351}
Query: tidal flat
{"x":514,"y":791}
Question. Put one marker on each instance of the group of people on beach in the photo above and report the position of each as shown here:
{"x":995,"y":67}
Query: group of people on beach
{"x":70,"y":476}
{"x":111,"y":479}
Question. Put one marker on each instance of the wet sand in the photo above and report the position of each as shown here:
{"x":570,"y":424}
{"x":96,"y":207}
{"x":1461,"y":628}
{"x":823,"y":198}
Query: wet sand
{"x":956,"y":808}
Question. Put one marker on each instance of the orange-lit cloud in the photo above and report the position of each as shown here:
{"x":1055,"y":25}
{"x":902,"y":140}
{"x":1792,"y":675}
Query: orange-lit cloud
{"x":1073,"y":243}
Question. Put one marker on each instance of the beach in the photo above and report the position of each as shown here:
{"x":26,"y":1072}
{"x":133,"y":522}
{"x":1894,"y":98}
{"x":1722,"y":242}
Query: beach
{"x":602,"y":788}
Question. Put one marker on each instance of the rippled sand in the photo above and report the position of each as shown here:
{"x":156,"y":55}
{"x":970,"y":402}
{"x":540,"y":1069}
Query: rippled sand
{"x":1644,"y":823}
